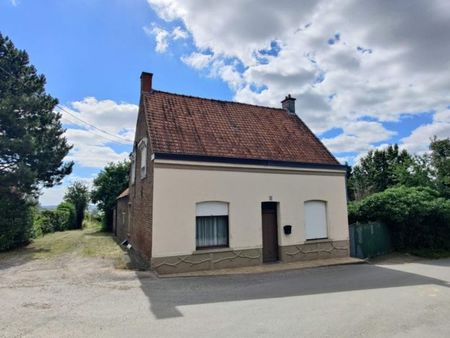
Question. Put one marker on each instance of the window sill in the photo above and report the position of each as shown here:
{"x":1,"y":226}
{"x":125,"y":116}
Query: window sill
{"x":319,"y":240}
{"x":211,"y":250}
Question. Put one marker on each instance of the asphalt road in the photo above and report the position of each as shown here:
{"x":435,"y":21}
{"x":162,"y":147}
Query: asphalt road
{"x":73,"y":297}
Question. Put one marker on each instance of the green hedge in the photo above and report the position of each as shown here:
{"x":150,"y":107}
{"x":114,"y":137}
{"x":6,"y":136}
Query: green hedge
{"x":63,"y":218}
{"x":69,"y":212}
{"x":16,"y":221}
{"x":21,"y":220}
{"x":417,"y":217}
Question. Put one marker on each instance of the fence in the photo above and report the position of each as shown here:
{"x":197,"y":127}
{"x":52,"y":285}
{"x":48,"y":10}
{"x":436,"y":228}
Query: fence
{"x":369,"y":240}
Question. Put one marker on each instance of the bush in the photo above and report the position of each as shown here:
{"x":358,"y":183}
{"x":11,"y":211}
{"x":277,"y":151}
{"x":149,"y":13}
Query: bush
{"x":16,"y":221}
{"x":68,"y":209}
{"x":61,"y":219}
{"x":49,"y":221}
{"x":417,"y":217}
{"x":36,"y":230}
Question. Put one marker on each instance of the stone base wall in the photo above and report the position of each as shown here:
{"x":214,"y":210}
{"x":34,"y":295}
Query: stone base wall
{"x":314,"y":250}
{"x":250,"y":257}
{"x":207,"y":261}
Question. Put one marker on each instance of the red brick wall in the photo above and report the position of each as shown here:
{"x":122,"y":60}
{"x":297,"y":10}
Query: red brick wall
{"x":141,"y":196}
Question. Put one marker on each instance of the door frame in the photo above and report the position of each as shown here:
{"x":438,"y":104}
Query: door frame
{"x":275,"y":206}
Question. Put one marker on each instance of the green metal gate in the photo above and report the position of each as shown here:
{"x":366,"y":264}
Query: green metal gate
{"x":369,"y":240}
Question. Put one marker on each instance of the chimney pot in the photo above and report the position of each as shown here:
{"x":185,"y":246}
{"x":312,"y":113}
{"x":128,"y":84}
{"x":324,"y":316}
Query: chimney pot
{"x":288,"y":104}
{"x":146,"y":82}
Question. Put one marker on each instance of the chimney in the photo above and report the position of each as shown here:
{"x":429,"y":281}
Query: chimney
{"x":288,"y":104}
{"x":146,"y":82}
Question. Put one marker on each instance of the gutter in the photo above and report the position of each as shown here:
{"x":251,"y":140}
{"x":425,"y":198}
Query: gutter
{"x":247,"y":161}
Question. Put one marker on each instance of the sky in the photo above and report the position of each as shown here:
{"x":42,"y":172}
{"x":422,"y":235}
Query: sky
{"x":365,"y":73}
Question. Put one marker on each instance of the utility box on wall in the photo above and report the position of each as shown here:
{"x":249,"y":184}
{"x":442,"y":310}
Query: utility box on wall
{"x":287,"y":229}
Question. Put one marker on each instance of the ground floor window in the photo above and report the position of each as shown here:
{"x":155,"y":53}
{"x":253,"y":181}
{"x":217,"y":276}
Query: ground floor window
{"x":211,"y":225}
{"x":315,"y":220}
{"x":212,"y":231}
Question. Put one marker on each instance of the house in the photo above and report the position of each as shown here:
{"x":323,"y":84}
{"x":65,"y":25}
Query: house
{"x":120,"y":216}
{"x":218,"y":184}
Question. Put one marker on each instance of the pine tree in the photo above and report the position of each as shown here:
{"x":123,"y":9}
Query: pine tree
{"x":32,"y":143}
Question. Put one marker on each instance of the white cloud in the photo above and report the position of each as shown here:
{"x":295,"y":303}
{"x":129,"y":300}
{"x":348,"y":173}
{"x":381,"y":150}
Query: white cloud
{"x":419,"y":139}
{"x":344,"y":159}
{"x":197,"y":60}
{"x":161,"y":37}
{"x":52,"y":196}
{"x":390,"y":58}
{"x":93,"y":156}
{"x":55,"y":195}
{"x":358,"y":137}
{"x":114,"y":117}
{"x":92,"y":147}
{"x":179,"y":33}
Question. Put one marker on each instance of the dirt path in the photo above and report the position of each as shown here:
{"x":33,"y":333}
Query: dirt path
{"x":58,"y":274}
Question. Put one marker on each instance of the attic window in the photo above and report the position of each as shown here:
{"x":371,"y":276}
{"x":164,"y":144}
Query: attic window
{"x":133,"y":167}
{"x":143,"y":152}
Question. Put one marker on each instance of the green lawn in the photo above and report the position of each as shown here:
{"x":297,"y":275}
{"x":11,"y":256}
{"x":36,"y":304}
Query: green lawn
{"x":88,"y":242}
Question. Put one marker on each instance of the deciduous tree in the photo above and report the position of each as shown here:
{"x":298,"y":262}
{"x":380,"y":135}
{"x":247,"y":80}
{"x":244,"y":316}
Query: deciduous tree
{"x":109,"y":183}
{"x":440,"y":161}
{"x":378,"y":170}
{"x":78,"y":195}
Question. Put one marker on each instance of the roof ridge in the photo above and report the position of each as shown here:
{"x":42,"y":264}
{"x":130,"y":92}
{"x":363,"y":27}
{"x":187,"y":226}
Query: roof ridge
{"x":215,"y":100}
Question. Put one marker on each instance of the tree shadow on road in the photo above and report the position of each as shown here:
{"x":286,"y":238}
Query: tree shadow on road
{"x":165,"y":295}
{"x":20,"y":256}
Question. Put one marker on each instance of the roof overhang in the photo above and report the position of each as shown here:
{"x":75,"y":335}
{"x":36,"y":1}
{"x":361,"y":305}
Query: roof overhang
{"x":248,"y":161}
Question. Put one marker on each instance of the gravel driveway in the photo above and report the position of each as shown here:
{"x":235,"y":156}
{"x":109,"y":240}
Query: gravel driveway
{"x":72,"y":296}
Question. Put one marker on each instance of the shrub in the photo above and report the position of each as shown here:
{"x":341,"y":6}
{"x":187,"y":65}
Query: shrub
{"x":63,"y":218}
{"x":417,"y":217}
{"x":68,"y":210}
{"x":49,"y":221}
{"x":37,"y":223}
{"x":16,"y":221}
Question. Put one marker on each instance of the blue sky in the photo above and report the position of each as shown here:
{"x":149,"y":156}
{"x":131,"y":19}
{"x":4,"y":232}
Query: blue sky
{"x":93,"y":51}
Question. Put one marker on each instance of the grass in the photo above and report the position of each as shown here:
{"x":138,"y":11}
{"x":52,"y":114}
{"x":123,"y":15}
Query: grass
{"x":88,"y":242}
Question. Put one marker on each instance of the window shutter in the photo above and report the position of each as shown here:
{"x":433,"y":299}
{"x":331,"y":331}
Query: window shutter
{"x":315,"y":220}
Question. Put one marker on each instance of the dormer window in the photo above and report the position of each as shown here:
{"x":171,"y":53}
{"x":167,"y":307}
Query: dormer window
{"x":142,"y":146}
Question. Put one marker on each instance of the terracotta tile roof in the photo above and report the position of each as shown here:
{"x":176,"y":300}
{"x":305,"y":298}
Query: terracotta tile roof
{"x":123,"y":194}
{"x":180,"y":124}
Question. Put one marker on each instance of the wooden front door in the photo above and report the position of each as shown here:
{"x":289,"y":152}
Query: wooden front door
{"x":269,"y":231}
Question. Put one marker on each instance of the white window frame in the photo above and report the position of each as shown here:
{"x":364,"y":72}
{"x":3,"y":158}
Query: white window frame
{"x":133,"y":167}
{"x":142,"y":146}
{"x":212,"y":209}
{"x":315,"y":219}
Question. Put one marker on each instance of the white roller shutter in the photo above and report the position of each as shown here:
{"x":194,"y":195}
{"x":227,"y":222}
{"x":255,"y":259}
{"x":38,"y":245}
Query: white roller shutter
{"x":315,"y":220}
{"x":212,"y":209}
